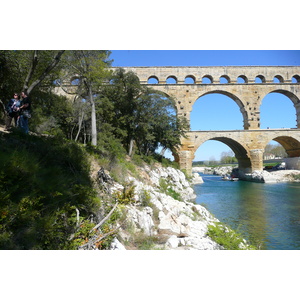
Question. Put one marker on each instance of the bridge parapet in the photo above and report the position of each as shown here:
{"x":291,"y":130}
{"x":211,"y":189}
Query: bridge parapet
{"x":231,"y":74}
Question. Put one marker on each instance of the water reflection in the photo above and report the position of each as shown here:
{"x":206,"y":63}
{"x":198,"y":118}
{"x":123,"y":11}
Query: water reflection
{"x":267,"y":214}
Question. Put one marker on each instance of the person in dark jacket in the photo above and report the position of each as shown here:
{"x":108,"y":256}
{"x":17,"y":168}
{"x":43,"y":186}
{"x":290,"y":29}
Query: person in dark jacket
{"x":25,"y":112}
{"x":12,"y":111}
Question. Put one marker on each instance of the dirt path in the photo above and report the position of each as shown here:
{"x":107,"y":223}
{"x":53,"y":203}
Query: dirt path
{"x":2,"y":128}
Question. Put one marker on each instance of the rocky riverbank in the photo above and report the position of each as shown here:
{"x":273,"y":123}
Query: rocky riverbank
{"x":164,"y":214}
{"x":272,"y":176}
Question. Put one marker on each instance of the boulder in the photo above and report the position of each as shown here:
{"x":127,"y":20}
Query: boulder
{"x":172,"y":242}
{"x":197,"y":179}
{"x":116,"y":245}
{"x":142,"y":219}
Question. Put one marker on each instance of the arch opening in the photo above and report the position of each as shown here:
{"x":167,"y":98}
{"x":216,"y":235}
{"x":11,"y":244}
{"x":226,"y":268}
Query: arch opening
{"x":75,"y":80}
{"x":274,"y":151}
{"x":290,"y":145}
{"x":260,"y":79}
{"x":207,"y":79}
{"x":278,"y":79}
{"x":242,"y":79}
{"x":212,"y":151}
{"x":296,"y":79}
{"x":224,"y":79}
{"x":153,"y":80}
{"x":190,"y":79}
{"x":171,"y":80}
{"x":285,"y":152}
{"x":216,"y":111}
{"x":277,"y":109}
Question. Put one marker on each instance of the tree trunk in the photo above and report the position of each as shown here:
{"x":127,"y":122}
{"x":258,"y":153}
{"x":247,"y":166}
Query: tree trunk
{"x":130,"y":151}
{"x":80,"y":119}
{"x":2,"y":106}
{"x":163,"y":150}
{"x":31,"y":71}
{"x":49,"y":68}
{"x":93,"y":118}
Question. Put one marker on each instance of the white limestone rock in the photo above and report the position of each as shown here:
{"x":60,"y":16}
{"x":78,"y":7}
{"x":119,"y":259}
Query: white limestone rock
{"x":197,"y":179}
{"x":116,"y":245}
{"x":183,"y":221}
{"x":172,"y":242}
{"x":142,"y":219}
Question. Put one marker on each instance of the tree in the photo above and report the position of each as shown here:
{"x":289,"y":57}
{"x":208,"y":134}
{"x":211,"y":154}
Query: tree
{"x":276,"y":149}
{"x":227,"y":157}
{"x":29,"y":68}
{"x":90,"y":70}
{"x":49,"y":64}
{"x":212,"y":161}
{"x":140,"y":116}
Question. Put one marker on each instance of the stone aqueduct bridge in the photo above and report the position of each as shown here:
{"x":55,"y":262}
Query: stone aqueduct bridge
{"x":241,"y":86}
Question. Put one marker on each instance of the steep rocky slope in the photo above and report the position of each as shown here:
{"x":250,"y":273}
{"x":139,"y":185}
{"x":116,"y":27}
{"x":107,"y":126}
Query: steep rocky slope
{"x":163,"y":215}
{"x":167,"y":222}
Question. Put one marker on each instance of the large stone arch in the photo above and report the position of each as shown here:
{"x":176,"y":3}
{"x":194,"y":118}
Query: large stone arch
{"x":167,"y":95}
{"x":292,"y":148}
{"x":232,"y":96}
{"x":289,"y":94}
{"x":241,"y":154}
{"x":290,"y":144}
{"x":247,"y":94}
{"x":240,"y":150}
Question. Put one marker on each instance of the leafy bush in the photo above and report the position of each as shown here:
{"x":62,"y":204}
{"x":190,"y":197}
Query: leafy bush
{"x":127,"y":195}
{"x":167,"y":189}
{"x":296,"y":176}
{"x":226,"y":237}
{"x":42,"y":183}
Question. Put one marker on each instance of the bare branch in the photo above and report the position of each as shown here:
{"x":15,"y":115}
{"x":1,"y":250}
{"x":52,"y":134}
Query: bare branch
{"x":77,"y":217}
{"x":108,"y":233}
{"x":66,"y":91}
{"x":2,"y":105}
{"x":31,"y":70}
{"x":50,"y":67}
{"x":92,"y":241}
{"x":80,"y":119}
{"x":106,"y":218}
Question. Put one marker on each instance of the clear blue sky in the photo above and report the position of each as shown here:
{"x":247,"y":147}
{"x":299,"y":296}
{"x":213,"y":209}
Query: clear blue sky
{"x":205,"y":57}
{"x":277,"y":110}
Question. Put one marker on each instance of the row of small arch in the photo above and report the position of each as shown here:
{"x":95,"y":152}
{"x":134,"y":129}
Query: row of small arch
{"x":208,"y":79}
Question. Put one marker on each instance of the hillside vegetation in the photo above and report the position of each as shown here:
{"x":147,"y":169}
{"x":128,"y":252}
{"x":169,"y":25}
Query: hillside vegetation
{"x":44,"y":182}
{"x":49,"y":195}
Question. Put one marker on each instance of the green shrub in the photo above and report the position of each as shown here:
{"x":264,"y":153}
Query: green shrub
{"x":226,"y":237}
{"x":296,"y":176}
{"x":127,"y":195}
{"x":145,"y":198}
{"x":42,"y":181}
{"x":165,"y":188}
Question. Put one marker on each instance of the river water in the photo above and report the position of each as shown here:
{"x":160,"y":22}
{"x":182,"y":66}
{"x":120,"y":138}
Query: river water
{"x":267,"y":215}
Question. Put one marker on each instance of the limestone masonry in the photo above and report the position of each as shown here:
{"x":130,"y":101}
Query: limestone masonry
{"x":187,"y":84}
{"x":246,"y":86}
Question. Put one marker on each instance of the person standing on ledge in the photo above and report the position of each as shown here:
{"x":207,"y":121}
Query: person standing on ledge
{"x":12,"y":110}
{"x":25,"y":111}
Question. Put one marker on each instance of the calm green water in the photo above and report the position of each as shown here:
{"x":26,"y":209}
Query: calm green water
{"x":266,"y":214}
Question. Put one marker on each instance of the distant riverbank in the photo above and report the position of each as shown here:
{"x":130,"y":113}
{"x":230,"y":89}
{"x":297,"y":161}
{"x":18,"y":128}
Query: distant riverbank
{"x":262,"y":176}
